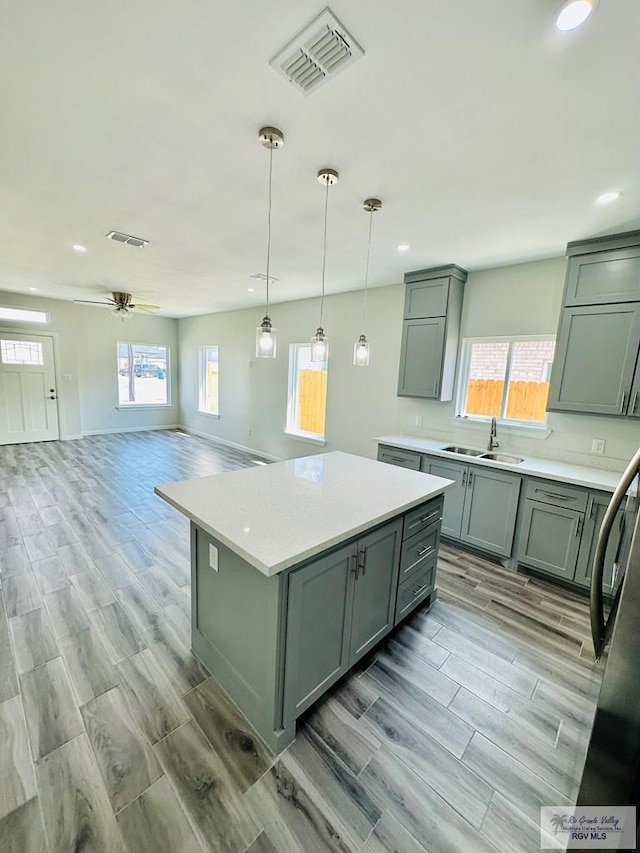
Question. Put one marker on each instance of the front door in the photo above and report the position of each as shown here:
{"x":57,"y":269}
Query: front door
{"x":28,"y":397}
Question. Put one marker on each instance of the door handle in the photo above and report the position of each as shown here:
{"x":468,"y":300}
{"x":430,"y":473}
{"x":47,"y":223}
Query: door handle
{"x":354,"y":563}
{"x":362,"y":560}
{"x":624,"y":400}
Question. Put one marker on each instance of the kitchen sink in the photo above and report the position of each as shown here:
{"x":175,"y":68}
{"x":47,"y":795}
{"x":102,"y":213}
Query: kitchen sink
{"x":463,"y":451}
{"x":502,"y":457}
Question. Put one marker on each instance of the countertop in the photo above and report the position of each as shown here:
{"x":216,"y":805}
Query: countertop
{"x":548,"y":469}
{"x":275,"y":516}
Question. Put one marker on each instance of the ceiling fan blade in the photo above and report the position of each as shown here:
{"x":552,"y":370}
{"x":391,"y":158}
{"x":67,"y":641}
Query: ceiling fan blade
{"x":145,"y":309}
{"x":91,"y":302}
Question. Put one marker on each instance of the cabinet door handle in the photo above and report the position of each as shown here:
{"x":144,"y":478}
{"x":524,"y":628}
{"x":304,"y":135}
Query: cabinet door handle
{"x":579,"y":525}
{"x":420,"y":589}
{"x":422,"y":552}
{"x":634,"y":404}
{"x":471,"y":478}
{"x":590,"y":507}
{"x":354,"y":563}
{"x":464,"y":477}
{"x":362,"y":562}
{"x":624,"y":400}
{"x":557,"y":496}
{"x":435,"y":388}
{"x":400,"y":459}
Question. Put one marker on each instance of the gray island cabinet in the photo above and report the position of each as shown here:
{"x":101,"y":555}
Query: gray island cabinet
{"x":299,"y":569}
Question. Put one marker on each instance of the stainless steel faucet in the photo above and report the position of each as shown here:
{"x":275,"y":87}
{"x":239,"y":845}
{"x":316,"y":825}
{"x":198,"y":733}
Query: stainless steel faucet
{"x":493,"y":436}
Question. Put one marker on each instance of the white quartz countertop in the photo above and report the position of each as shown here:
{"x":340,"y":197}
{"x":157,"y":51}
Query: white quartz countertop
{"x":548,"y":469}
{"x":275,"y":516}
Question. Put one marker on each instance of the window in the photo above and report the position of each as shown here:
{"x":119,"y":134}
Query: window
{"x":209,"y":394}
{"x":23,"y":315}
{"x":506,"y":378}
{"x":21,"y":352}
{"x":307,"y":401}
{"x":143,"y":378}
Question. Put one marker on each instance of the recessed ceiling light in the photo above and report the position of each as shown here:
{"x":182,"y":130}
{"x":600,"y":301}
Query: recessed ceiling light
{"x":403,"y":247}
{"x":573,"y":14}
{"x":33,"y":289}
{"x":607,"y":198}
{"x":78,"y":248}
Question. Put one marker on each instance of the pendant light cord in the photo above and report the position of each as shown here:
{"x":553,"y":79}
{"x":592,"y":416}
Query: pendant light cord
{"x":324,"y":249}
{"x":366,"y":273}
{"x":269,"y":225}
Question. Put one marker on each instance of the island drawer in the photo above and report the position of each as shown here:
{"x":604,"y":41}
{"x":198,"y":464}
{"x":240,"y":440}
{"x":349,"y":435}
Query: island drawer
{"x":419,"y":550}
{"x":549,"y":492}
{"x":403,"y":458}
{"x":414,"y":590}
{"x":423,"y":516}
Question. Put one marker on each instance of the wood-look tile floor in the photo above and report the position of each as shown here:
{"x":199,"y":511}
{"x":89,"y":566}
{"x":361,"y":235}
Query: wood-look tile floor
{"x":113,"y":736}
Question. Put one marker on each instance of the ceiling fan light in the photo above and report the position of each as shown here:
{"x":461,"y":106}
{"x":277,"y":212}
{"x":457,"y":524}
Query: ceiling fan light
{"x":121,"y":312}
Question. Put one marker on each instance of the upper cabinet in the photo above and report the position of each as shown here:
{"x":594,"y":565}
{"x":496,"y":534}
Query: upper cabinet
{"x":430,"y":331}
{"x":603,"y":271}
{"x":595,"y":359}
{"x":597,"y":365}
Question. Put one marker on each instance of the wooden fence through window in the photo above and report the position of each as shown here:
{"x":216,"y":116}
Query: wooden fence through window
{"x":526,"y":401}
{"x":312,"y":400}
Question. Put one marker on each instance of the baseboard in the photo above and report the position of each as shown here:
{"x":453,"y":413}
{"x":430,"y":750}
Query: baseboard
{"x":234,"y":444}
{"x":71,"y":437}
{"x":130,"y":429}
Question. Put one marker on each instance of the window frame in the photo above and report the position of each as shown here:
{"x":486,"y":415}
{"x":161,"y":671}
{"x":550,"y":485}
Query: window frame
{"x":23,"y":320}
{"x":128,"y":406}
{"x":202,"y":369}
{"x":292,"y":407}
{"x":463,"y":378}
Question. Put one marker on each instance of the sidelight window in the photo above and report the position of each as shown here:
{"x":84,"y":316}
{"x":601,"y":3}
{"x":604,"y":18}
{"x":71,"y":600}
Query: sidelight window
{"x":209,"y":384}
{"x":307,"y":399}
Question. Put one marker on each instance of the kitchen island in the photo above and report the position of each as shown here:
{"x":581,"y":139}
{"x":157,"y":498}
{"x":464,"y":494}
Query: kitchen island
{"x":299,"y":568}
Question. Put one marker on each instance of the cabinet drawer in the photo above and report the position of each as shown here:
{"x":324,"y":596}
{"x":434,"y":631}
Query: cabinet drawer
{"x":422,"y":517}
{"x":403,"y":458}
{"x":550,"y":492}
{"x":419,"y":550}
{"x":414,"y":590}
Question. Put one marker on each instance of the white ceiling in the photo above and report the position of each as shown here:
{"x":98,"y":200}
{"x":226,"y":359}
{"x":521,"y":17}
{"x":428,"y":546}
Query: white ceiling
{"x":486,"y":133}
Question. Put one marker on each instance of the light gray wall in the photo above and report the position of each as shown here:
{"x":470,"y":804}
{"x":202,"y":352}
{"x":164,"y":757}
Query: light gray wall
{"x":521,"y":299}
{"x":85,"y":341}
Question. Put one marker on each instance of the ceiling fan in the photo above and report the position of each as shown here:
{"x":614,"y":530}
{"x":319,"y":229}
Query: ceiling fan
{"x":121,"y":305}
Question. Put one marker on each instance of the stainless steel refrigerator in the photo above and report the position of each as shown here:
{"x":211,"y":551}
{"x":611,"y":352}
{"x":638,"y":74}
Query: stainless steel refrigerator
{"x":611,"y":773}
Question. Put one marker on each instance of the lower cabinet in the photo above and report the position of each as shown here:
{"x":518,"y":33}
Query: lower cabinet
{"x":550,"y":538}
{"x":339,"y":607}
{"x":615,"y":547}
{"x":481,"y":508}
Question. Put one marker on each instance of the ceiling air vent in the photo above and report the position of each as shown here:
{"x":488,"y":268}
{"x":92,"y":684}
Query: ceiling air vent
{"x":318,"y":53}
{"x":119,"y":237}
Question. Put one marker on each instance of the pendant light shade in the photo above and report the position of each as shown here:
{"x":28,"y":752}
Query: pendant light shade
{"x":271,"y":138}
{"x":361,"y":346}
{"x":319,"y":342}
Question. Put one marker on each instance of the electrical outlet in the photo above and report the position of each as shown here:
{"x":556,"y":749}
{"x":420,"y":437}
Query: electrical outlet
{"x":598,"y":445}
{"x":67,"y":377}
{"x":248,"y":430}
{"x":418,"y":420}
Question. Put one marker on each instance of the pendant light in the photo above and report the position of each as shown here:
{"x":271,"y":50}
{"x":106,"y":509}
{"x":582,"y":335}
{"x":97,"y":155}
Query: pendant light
{"x":319,"y":342}
{"x":271,"y":138}
{"x":361,"y":347}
